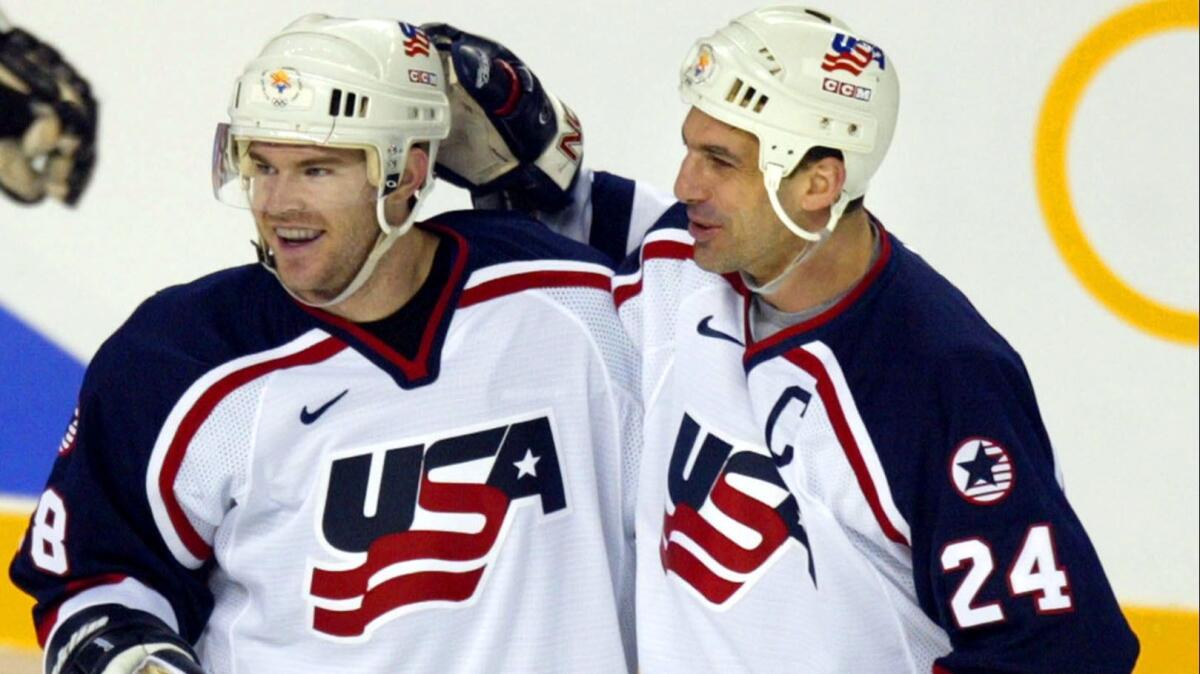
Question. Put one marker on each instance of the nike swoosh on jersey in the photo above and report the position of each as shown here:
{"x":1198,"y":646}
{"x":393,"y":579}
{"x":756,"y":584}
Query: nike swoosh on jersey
{"x":307,"y":417}
{"x":706,"y":330}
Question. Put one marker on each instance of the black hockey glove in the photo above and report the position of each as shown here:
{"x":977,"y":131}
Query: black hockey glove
{"x":47,"y":122}
{"x":512,"y":143}
{"x":112,"y":639}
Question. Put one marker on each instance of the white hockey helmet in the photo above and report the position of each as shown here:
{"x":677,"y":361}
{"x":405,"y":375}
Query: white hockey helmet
{"x":369,"y":84}
{"x":798,"y":78}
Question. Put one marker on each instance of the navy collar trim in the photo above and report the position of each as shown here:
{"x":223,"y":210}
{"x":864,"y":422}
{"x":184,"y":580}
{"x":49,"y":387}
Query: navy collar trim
{"x":425,"y":366}
{"x":757,"y":352}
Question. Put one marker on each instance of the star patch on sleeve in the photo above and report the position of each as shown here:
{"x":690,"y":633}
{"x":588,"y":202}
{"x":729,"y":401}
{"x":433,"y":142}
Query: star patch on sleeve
{"x":981,"y":471}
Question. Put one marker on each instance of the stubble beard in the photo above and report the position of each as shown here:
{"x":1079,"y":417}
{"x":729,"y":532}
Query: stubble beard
{"x":713,"y":261}
{"x":326,"y":277}
{"x":339,"y":272}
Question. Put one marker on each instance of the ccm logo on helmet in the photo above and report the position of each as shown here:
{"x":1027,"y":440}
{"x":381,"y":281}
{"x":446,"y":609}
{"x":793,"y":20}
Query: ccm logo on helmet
{"x":411,"y":515}
{"x":744,"y":484}
{"x":423,"y":77}
{"x":846,"y":89}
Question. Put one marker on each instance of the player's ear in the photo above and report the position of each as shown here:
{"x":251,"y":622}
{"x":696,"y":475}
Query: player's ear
{"x":821,"y":183}
{"x":416,"y":171}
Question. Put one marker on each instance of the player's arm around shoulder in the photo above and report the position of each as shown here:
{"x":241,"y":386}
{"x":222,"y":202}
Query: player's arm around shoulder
{"x":1001,"y":561}
{"x":516,"y":146}
{"x":110,"y":597}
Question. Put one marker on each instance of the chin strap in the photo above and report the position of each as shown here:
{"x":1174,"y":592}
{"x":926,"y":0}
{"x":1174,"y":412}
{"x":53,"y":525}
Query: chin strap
{"x":773,"y":178}
{"x":383,"y":243}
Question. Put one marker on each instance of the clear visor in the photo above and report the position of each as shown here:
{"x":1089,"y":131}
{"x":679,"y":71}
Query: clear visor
{"x":278,"y":175}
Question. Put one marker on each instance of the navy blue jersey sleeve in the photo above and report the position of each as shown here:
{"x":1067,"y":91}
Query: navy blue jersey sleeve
{"x":609,"y":213}
{"x":612,"y":215}
{"x":93,"y":528}
{"x":1000,"y":559}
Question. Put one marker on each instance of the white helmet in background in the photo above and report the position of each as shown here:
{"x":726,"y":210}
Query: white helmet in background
{"x":797,"y":78}
{"x":366,"y":84}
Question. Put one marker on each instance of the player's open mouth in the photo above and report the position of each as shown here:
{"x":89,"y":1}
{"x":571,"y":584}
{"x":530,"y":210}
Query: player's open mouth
{"x":297,"y":236}
{"x":701,"y":231}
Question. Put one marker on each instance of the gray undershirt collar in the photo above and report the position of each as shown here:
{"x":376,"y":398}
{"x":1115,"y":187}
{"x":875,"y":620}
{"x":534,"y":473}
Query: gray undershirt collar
{"x":766,"y":320}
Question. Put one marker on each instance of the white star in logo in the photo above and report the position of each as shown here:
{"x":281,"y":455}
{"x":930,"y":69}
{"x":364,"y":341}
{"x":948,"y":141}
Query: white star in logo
{"x":527,"y":465}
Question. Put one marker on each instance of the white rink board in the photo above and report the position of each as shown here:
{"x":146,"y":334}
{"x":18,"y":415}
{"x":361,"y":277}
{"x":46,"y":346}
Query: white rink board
{"x":959,"y":186}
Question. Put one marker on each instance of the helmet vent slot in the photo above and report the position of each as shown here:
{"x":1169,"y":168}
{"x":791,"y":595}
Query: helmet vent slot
{"x":770,"y":61}
{"x":747,"y":97}
{"x":733,"y":90}
{"x":348,"y":104}
{"x":824,"y":17}
{"x":237,"y":95}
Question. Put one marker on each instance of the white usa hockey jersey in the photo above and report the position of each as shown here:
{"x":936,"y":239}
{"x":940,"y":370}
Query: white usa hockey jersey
{"x":295,"y":493}
{"x":871,"y":490}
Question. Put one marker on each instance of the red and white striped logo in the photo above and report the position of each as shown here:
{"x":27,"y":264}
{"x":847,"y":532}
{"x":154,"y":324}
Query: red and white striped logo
{"x":981,"y":471}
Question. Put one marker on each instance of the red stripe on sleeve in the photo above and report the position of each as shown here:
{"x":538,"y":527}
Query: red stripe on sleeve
{"x":507,"y":285}
{"x":73,"y":588}
{"x":653,"y":250}
{"x":198,"y":414}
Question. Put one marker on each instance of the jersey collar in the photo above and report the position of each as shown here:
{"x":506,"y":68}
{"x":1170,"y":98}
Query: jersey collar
{"x":424,"y":367}
{"x":757,"y":352}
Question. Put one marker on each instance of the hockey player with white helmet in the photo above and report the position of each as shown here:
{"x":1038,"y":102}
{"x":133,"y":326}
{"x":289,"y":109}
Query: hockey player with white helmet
{"x":845,"y":466}
{"x":393,"y":446}
{"x":348,"y":99}
{"x":736,"y":79}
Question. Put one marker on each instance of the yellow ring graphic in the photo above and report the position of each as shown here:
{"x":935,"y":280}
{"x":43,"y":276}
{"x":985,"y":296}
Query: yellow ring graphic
{"x":1050,"y":159}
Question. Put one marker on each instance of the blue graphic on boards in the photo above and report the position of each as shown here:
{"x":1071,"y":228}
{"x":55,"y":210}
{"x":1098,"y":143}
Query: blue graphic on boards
{"x":39,"y":383}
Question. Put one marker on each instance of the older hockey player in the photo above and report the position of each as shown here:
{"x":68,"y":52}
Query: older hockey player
{"x":47,"y":121}
{"x":845,"y":466}
{"x":407,"y":455}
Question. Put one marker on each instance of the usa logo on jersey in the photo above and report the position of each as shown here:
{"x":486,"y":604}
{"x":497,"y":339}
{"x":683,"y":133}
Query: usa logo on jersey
{"x":418,"y":524}
{"x":731,"y":516}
